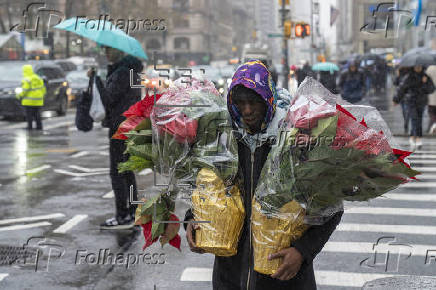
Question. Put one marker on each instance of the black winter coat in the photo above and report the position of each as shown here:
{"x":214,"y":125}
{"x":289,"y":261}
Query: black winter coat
{"x":117,"y":94}
{"x":231,"y":273}
{"x":413,"y":90}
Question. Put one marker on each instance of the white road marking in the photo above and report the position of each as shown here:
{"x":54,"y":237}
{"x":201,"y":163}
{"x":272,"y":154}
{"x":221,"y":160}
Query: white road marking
{"x":326,"y":278}
{"x":196,"y":274}
{"x":425,"y":169}
{"x":103,"y":147}
{"x":3,"y":275}
{"x":346,"y":279}
{"x":368,"y":248}
{"x":70,"y":223}
{"x":418,"y":184}
{"x":104,"y":153}
{"x":110,"y":194}
{"x":422,"y":156}
{"x":23,"y":227}
{"x":76,"y":174}
{"x":32,"y":218}
{"x":146,"y":171}
{"x":422,"y":212}
{"x":88,"y":170}
{"x":408,"y":197}
{"x":61,"y":124}
{"x":38,"y":169}
{"x":423,"y":161}
{"x":80,"y":154}
{"x":383,"y":228}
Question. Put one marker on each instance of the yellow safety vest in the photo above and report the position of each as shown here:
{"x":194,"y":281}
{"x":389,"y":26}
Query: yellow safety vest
{"x":33,"y":88}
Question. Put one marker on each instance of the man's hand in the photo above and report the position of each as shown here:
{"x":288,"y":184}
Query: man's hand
{"x":292,"y":260}
{"x":424,"y":79}
{"x":190,"y":237}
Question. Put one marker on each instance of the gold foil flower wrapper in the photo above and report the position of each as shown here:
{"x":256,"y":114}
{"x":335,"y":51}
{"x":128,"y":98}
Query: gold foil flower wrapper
{"x":223,"y":207}
{"x":274,"y":232}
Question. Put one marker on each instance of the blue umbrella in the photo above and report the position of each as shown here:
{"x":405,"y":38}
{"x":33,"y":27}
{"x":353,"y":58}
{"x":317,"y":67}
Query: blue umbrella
{"x":325,"y":66}
{"x":104,"y":33}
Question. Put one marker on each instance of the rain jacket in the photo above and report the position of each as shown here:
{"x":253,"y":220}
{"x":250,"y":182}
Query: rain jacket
{"x":352,"y":85}
{"x":33,"y":88}
{"x":236,"y":272}
{"x":117,"y":94}
{"x":413,"y":91}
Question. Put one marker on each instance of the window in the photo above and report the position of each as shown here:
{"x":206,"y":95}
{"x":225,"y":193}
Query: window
{"x":153,"y":44}
{"x":182,"y":5}
{"x":181,"y":43}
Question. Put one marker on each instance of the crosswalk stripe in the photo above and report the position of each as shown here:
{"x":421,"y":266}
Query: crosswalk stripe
{"x":368,"y":248}
{"x":110,"y":194}
{"x":62,"y":229}
{"x":3,"y":275}
{"x":423,"y":161}
{"x":425,"y":169}
{"x":196,"y":274}
{"x":322,"y":277}
{"x":32,"y":218}
{"x":346,"y":279}
{"x":23,"y":227}
{"x":422,"y":156}
{"x":58,"y":125}
{"x":408,"y":197}
{"x":146,"y":171}
{"x":422,"y":212}
{"x":419,"y":184}
{"x":384,"y":228}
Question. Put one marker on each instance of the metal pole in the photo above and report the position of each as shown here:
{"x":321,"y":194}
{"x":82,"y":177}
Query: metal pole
{"x":285,"y":49}
{"x":311,"y":32}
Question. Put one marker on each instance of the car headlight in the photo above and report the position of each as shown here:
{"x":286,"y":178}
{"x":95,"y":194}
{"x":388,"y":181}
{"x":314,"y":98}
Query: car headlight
{"x":146,"y":81}
{"x":69,"y":91}
{"x":221,"y":82}
{"x":65,"y":84}
{"x":18,"y":90}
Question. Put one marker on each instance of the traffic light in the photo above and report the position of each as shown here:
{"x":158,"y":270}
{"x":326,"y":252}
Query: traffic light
{"x":302,"y":30}
{"x":299,"y":30}
{"x":287,"y":29}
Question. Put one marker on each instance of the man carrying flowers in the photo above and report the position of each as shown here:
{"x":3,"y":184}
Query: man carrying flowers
{"x":251,"y":102}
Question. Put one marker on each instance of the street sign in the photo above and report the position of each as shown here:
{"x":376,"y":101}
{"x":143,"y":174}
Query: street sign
{"x":275,"y":34}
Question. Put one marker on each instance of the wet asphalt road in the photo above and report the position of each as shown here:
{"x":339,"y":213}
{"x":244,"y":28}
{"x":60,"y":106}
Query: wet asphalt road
{"x":55,"y":191}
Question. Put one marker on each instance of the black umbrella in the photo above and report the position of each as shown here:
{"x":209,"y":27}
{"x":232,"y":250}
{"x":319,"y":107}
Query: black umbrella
{"x":413,"y":59}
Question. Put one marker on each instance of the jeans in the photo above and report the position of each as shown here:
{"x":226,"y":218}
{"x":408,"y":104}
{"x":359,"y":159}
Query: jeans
{"x":32,"y":113}
{"x":406,"y":115}
{"x":121,"y":182}
{"x":416,"y":115}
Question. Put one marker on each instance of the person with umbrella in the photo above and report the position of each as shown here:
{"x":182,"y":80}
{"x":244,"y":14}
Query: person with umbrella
{"x":414,"y":90}
{"x":117,"y":96}
{"x":327,"y":75}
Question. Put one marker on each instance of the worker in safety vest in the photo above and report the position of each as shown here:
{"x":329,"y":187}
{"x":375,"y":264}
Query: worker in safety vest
{"x":32,"y":94}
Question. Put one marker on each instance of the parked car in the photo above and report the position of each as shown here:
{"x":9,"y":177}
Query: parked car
{"x":78,"y":81}
{"x":66,"y":65}
{"x":54,"y":78}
